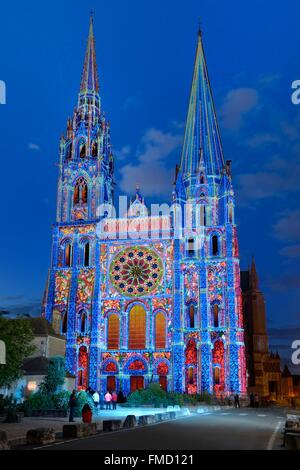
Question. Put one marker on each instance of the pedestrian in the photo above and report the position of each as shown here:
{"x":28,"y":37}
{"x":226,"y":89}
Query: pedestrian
{"x":114,"y":399}
{"x":256,"y":401}
{"x":96,"y":399}
{"x":72,"y":405}
{"x":251,"y":400}
{"x":237,"y":401}
{"x":108,"y":399}
{"x":86,"y":414}
{"x":121,"y":398}
{"x":101,"y":401}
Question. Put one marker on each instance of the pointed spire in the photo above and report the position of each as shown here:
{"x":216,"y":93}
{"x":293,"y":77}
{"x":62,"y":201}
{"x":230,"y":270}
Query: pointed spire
{"x":254,"y":276}
{"x":202,"y":141}
{"x":89,"y":80}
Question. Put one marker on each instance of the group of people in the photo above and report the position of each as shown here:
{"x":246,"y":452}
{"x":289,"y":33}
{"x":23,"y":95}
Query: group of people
{"x":106,"y":401}
{"x":254,"y":400}
{"x":110,"y":399}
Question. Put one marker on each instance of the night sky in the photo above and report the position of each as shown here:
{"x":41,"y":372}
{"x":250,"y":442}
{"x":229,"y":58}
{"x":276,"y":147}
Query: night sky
{"x":145,"y":54}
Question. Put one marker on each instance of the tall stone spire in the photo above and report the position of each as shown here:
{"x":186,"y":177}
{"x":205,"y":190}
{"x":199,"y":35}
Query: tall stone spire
{"x":254,"y":276}
{"x":89,"y":81}
{"x":202,"y":147}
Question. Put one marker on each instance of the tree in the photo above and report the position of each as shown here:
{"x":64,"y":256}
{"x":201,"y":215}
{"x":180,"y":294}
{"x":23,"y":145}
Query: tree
{"x":55,"y":377}
{"x":17,"y":336}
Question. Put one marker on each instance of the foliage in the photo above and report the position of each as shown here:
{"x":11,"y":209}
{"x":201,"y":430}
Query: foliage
{"x":154,"y":395}
{"x":39,"y":401}
{"x":43,"y":401}
{"x":81,"y":399}
{"x":11,"y":416}
{"x":55,"y":377}
{"x":6,"y":402}
{"x":61,"y":400}
{"x":17,"y":336}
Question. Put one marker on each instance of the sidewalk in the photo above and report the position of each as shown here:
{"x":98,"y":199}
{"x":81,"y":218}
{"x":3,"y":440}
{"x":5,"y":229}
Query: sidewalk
{"x":16,"y":432}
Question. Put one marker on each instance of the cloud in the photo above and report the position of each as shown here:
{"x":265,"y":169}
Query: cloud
{"x":283,"y":283}
{"x":263,"y":139}
{"x":292,"y":251}
{"x":151,"y":171}
{"x":11,"y":297}
{"x":33,"y":146}
{"x":123,"y":152}
{"x":287,"y":227}
{"x":131,"y":102}
{"x":31,"y":308}
{"x":291,"y":130}
{"x":236,"y":105}
{"x":269,"y":78}
{"x":275,"y":180}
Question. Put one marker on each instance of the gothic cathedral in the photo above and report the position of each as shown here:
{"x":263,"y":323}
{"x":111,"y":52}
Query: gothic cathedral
{"x":138,"y":298}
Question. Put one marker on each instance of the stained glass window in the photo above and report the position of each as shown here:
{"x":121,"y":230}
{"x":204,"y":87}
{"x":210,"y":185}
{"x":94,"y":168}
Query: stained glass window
{"x":160,"y":331}
{"x":113,"y":333}
{"x":137,"y":328}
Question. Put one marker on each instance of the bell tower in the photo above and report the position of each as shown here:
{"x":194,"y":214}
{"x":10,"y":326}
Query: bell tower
{"x":86,"y":161}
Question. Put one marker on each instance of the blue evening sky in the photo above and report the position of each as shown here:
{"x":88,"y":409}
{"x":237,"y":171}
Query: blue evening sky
{"x":145,"y":54}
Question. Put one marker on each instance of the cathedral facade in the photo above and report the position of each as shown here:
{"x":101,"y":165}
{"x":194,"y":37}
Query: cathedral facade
{"x":145,"y":297}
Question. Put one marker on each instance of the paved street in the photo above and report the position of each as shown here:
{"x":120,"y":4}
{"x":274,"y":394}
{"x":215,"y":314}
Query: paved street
{"x":229,"y":429}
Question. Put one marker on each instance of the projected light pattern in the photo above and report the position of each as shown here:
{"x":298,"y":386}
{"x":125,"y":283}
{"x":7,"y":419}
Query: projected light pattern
{"x":139,"y":307}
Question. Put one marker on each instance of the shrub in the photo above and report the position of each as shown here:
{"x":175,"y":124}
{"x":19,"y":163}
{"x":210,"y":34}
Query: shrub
{"x":83,"y":398}
{"x":38,"y":401}
{"x":61,"y":400}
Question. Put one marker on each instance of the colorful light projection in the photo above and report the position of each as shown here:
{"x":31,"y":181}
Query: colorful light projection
{"x":62,"y":287}
{"x":82,"y":368}
{"x":136,"y":271}
{"x":218,"y":359}
{"x":137,"y":298}
{"x":85,"y":286}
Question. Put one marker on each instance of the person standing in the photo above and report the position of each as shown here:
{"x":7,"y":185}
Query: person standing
{"x":256,"y":400}
{"x":101,"y":401}
{"x":251,"y":400}
{"x":96,"y":399}
{"x":86,"y":414}
{"x":237,"y":401}
{"x":108,"y":399}
{"x":72,"y":405}
{"x":114,"y":399}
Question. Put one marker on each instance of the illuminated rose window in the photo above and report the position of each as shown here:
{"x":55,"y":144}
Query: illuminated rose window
{"x":136,"y":271}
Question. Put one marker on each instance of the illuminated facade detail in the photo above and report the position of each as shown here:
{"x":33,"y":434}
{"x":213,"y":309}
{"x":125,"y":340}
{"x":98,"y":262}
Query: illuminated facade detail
{"x":136,"y":271}
{"x":137,"y":306}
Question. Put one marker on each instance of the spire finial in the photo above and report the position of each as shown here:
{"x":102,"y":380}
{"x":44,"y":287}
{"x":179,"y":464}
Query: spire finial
{"x":89,"y":80}
{"x":199,"y":28}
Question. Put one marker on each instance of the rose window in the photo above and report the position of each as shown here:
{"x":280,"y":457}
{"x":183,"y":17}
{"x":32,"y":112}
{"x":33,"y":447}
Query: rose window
{"x":136,"y":271}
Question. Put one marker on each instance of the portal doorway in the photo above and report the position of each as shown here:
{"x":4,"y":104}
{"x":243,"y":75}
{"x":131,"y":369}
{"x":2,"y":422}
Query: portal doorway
{"x":163,"y":382}
{"x":111,"y":383}
{"x":136,"y":382}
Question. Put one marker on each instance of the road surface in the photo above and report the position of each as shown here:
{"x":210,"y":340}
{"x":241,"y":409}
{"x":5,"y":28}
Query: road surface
{"x":229,"y":429}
